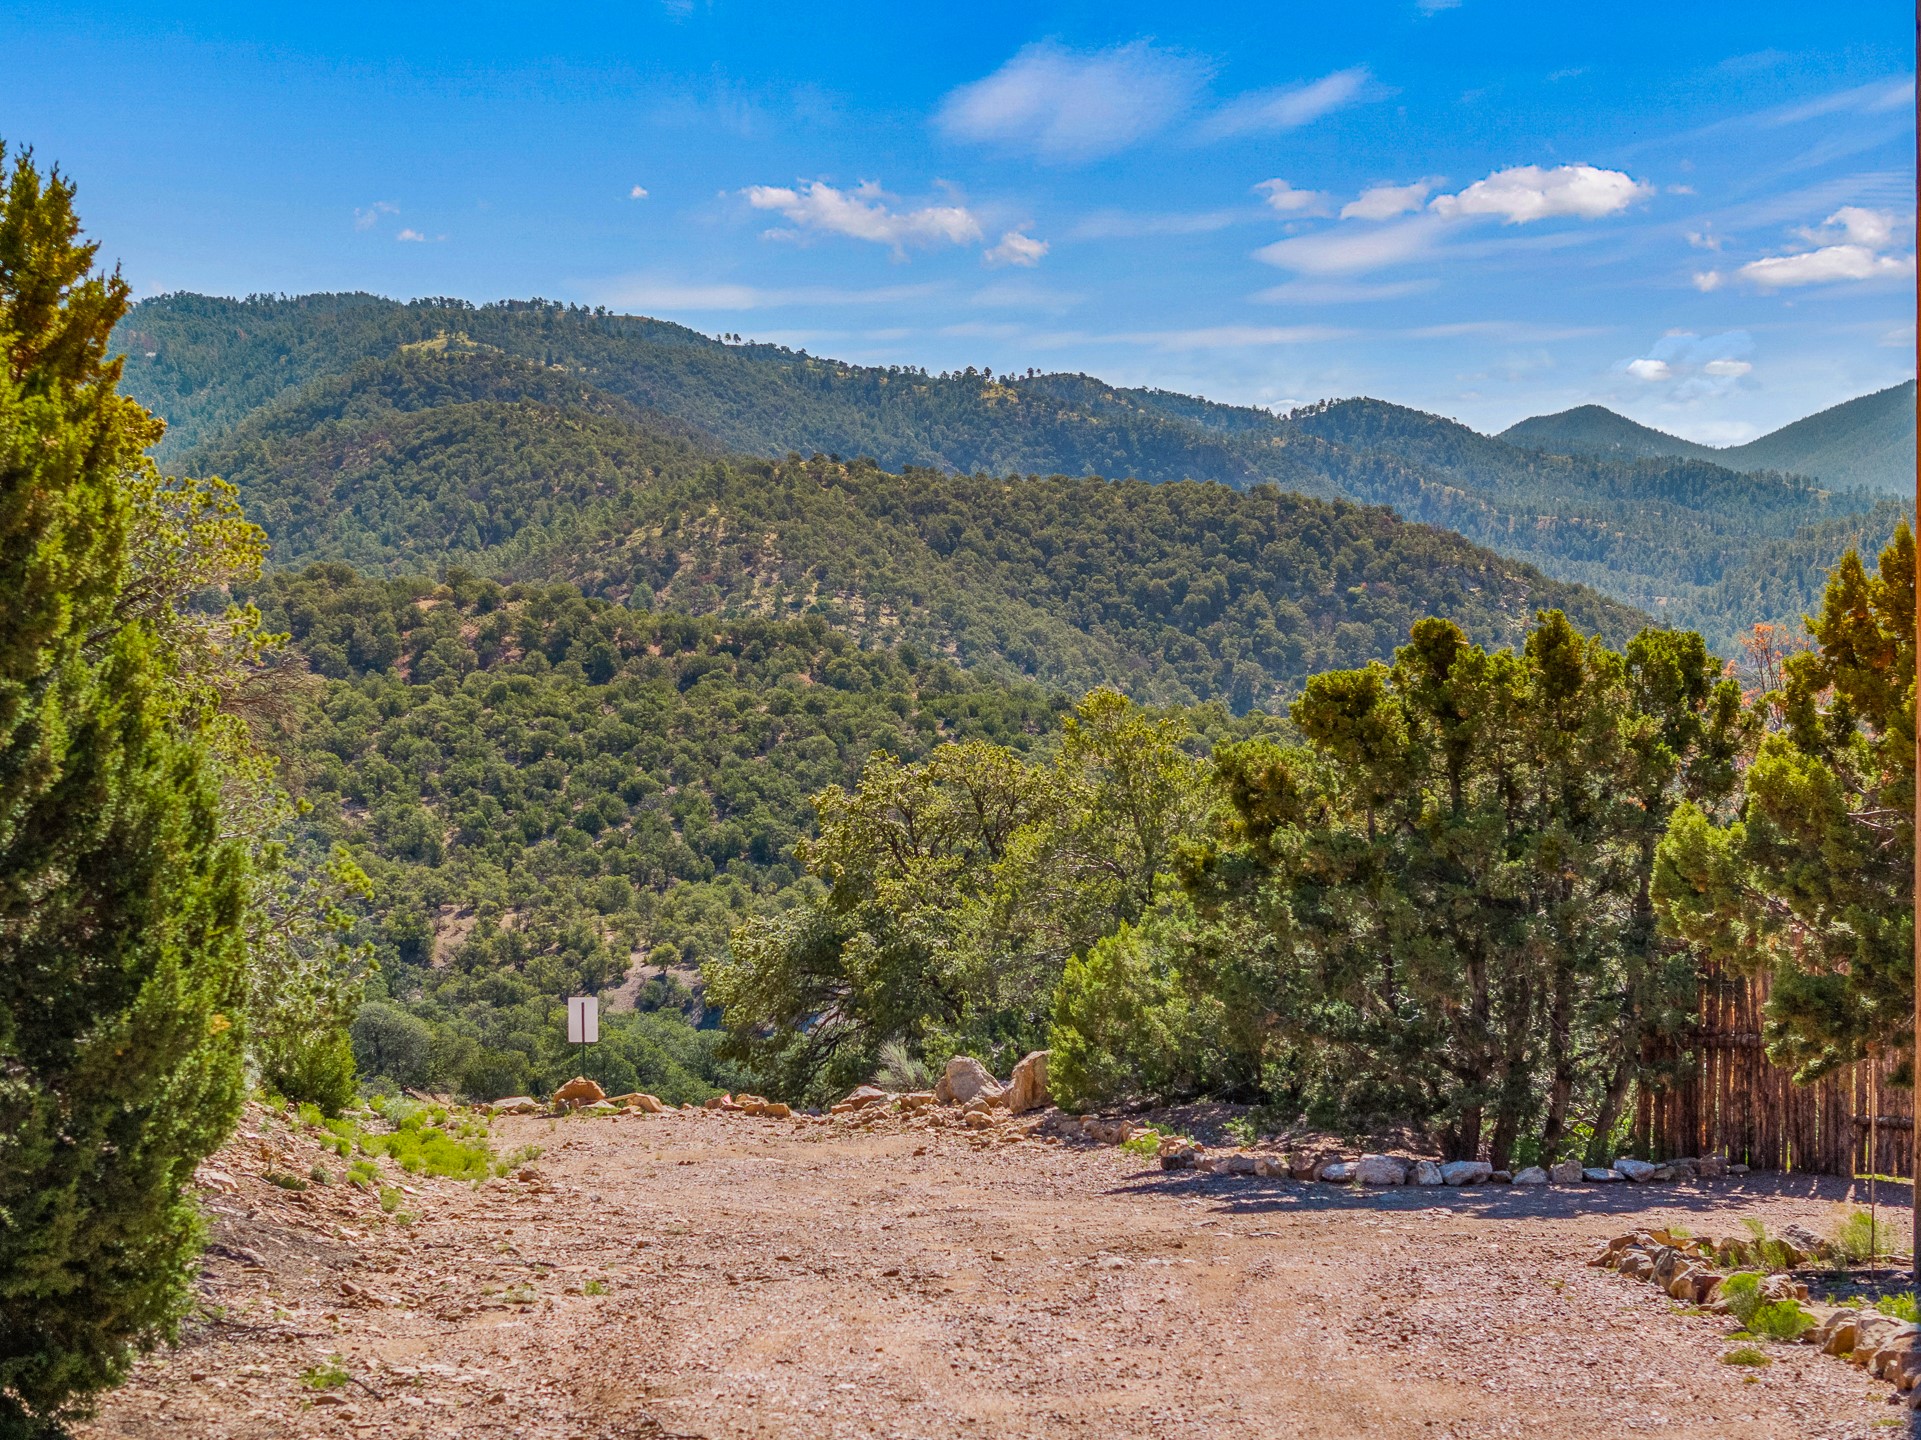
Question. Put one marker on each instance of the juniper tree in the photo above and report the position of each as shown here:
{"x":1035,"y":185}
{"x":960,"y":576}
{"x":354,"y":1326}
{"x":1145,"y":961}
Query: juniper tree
{"x":122,"y":908}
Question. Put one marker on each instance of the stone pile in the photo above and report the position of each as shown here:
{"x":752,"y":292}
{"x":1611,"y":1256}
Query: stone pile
{"x":1372,"y":1169}
{"x":1684,"y":1267}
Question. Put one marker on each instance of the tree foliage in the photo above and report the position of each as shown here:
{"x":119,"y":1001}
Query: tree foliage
{"x":123,"y":985}
{"x":1813,"y":881}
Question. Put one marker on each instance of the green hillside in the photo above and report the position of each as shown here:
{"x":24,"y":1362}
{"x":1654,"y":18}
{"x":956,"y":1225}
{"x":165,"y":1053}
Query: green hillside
{"x":1865,"y":443}
{"x":1177,"y":592}
{"x":282,"y":395}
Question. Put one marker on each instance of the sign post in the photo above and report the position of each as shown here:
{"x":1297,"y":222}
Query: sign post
{"x":583,"y":1020}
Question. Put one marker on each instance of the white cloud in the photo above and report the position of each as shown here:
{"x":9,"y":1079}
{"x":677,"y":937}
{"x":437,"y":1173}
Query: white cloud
{"x":1530,"y":192}
{"x":1291,"y":107}
{"x":1346,"y":252}
{"x":1284,"y":199}
{"x":1341,"y":292}
{"x":1829,"y":265}
{"x":1705,"y":238}
{"x":1727,"y":369}
{"x":1858,"y":225}
{"x":1230,"y":337}
{"x":370,"y":217}
{"x":863,"y":214}
{"x":1064,"y":105}
{"x":1707,"y":280}
{"x":1015,"y":249}
{"x":1384,"y":202}
{"x":639,"y":192}
{"x":1435,"y":7}
{"x":411,"y":235}
{"x":1649,"y":369}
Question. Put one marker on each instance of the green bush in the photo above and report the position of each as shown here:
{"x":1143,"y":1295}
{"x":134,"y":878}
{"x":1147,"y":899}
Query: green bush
{"x":1123,"y":1026}
{"x":1779,"y":1320}
{"x":1901,"y":1306}
{"x":1742,"y":1294}
{"x":1862,"y":1236}
{"x":389,"y":1042}
{"x":316,"y":1068}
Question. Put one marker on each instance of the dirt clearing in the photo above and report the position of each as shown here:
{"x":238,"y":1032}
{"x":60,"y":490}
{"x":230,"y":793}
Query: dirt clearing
{"x":720,"y":1276}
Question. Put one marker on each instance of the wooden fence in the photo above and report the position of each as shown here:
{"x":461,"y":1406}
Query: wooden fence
{"x":1724,"y":1097}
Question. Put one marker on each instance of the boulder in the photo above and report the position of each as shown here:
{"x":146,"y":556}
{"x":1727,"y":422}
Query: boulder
{"x":1426,"y":1172}
{"x":1236,"y":1165}
{"x":967,"y":1078}
{"x":859,"y":1098}
{"x":1835,"y":1335}
{"x":980,"y":1119}
{"x":1710,"y":1167}
{"x":1601,"y":1175}
{"x":1636,"y":1263}
{"x":1307,"y":1165}
{"x":640,"y":1100}
{"x":1565,"y":1172}
{"x":1337,"y":1172}
{"x":513,"y":1105}
{"x":1736,"y":1168}
{"x":1804,"y":1240}
{"x":579,"y":1091}
{"x":916,"y":1100}
{"x":1500,"y":1177}
{"x":1181,"y":1159}
{"x":1027,"y":1089}
{"x":1638,"y":1171}
{"x":1465,"y":1172}
{"x":1532,"y":1175}
{"x":1380,"y":1170}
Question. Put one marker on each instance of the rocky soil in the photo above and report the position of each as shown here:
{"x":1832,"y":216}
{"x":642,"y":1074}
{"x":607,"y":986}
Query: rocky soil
{"x":726,"y":1275}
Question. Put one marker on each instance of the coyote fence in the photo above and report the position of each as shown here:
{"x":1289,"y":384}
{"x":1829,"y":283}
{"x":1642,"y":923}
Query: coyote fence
{"x":1722,"y":1096}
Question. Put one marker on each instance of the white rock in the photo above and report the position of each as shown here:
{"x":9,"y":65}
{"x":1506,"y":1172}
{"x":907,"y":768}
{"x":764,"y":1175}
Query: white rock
{"x":967,"y":1078}
{"x":1533,"y":1175}
{"x":1465,"y":1172}
{"x":1339,"y":1173}
{"x":1601,"y":1175}
{"x":1380,"y":1170}
{"x":1426,"y":1172}
{"x":1567,"y":1172}
{"x":1638,"y":1171}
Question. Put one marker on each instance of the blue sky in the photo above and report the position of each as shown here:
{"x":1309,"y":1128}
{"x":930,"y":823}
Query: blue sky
{"x":1700,"y":214}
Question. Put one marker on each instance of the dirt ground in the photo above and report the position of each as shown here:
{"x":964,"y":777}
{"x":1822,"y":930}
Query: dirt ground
{"x":721,"y":1276}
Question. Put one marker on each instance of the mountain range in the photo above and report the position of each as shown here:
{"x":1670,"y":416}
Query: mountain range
{"x":262,"y":388}
{"x":1867,"y":442}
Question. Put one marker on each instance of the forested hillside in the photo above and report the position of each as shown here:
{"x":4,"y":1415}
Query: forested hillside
{"x":1865,"y":443}
{"x":448,"y":454}
{"x":281,"y":395}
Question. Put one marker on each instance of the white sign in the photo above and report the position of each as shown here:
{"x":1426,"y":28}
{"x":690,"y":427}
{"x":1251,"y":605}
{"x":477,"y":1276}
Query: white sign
{"x":583,"y":1020}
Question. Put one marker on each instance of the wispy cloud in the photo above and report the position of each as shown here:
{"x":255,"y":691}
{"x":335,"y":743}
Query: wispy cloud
{"x":1015,"y":248}
{"x":863,"y":214}
{"x":1349,"y":251}
{"x":1289,"y":107}
{"x":1384,"y":202}
{"x":1129,"y":225}
{"x":366,"y":219}
{"x":1343,"y":292}
{"x":1689,"y":367}
{"x":1062,"y":105}
{"x":639,"y":192}
{"x":646,"y":293}
{"x":1230,"y":337}
{"x":1284,"y":199}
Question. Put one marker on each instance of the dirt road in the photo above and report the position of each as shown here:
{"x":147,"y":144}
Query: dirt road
{"x":719,"y":1276}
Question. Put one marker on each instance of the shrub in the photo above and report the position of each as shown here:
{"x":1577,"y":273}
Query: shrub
{"x":1780,"y":1320}
{"x":1742,"y":1294}
{"x":389,"y":1042}
{"x":1862,"y":1236}
{"x":1746,"y":1355}
{"x":1122,"y":1024}
{"x":1901,"y":1306}
{"x":316,"y":1067}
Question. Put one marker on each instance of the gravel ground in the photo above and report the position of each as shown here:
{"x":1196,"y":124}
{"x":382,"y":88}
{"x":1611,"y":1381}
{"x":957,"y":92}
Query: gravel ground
{"x":720,"y":1276}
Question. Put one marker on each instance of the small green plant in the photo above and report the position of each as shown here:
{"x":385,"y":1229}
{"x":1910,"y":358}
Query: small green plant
{"x":362,"y":1172}
{"x":521,"y":1294}
{"x":1148,"y":1142}
{"x":328,"y":1376}
{"x":320,"y":1175}
{"x":389,"y":1199}
{"x":1746,"y":1355}
{"x":1901,"y":1306}
{"x":1782,"y":1320}
{"x":594,"y":1287}
{"x":1742,"y":1293}
{"x":284,"y":1180}
{"x":1241,"y":1127}
{"x":1862,"y":1236}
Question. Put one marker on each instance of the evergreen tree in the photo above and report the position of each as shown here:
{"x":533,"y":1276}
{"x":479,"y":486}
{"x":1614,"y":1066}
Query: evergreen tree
{"x":122,"y":909}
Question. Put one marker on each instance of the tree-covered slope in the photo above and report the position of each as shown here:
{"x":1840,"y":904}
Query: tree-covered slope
{"x":1176,"y":592}
{"x":1867,"y":442}
{"x":286,"y":396}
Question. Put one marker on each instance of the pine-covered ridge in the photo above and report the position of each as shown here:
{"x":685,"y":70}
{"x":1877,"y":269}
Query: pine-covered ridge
{"x":264,"y":387}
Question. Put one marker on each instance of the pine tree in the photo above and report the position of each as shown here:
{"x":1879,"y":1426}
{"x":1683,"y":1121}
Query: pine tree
{"x":122,"y":957}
